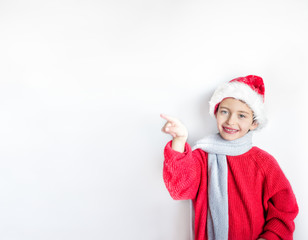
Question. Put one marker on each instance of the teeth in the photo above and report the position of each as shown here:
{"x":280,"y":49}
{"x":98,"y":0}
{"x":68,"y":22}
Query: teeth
{"x":230,"y":130}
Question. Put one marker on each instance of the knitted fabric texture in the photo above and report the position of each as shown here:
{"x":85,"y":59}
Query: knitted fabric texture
{"x":261,"y":202}
{"x":218,"y":148}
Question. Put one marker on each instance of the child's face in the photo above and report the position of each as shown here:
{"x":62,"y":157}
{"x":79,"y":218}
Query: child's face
{"x":234,"y":119}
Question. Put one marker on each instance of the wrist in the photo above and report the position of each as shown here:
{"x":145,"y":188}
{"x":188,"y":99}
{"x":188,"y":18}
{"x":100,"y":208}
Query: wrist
{"x":180,"y":139}
{"x":178,"y":144}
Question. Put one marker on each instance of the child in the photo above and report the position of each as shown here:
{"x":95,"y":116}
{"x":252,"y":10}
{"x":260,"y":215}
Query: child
{"x":238,"y":191}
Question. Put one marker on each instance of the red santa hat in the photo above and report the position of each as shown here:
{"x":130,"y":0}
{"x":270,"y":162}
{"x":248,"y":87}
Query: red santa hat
{"x":249,"y":89}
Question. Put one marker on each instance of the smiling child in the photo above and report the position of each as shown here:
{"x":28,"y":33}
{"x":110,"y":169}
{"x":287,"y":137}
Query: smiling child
{"x":238,"y":191}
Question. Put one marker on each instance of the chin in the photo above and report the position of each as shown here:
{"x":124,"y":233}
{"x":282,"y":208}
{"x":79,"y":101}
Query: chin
{"x":228,"y":138}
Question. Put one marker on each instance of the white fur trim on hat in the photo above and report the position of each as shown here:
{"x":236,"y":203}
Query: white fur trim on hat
{"x":240,"y":91}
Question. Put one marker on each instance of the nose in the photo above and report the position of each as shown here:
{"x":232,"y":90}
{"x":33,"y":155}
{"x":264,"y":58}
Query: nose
{"x":231,"y":119}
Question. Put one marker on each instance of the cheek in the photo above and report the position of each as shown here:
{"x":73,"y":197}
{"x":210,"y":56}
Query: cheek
{"x":246,"y":125}
{"x":219,"y":121}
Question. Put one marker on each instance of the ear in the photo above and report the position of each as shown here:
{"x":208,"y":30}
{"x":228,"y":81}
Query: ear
{"x":254,"y":125}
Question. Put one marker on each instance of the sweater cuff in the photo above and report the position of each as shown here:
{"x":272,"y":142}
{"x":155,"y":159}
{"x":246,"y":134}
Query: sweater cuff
{"x":269,"y":236}
{"x":169,"y":152}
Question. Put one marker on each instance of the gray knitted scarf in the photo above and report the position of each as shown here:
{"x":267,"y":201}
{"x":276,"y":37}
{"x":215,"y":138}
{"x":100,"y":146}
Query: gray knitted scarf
{"x":217,"y":149}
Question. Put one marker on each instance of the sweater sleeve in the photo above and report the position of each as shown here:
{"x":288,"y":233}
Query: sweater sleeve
{"x":181,"y":172}
{"x":279,"y":202}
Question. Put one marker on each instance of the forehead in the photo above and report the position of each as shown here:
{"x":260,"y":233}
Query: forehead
{"x":235,"y":105}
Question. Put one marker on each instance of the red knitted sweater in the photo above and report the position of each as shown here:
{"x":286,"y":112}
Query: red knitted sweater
{"x":261,"y":200}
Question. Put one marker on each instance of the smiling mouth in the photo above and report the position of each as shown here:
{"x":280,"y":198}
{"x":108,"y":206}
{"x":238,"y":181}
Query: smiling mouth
{"x":230,"y":130}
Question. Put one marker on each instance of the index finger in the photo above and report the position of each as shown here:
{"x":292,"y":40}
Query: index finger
{"x":168,"y":118}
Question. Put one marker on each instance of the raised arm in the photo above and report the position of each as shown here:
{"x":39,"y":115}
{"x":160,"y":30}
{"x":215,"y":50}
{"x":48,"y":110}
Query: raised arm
{"x":182,"y":167}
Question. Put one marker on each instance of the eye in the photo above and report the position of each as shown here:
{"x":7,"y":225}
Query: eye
{"x":224,"y":112}
{"x":242,"y":116}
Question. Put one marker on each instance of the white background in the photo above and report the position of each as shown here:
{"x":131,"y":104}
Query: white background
{"x":82,"y":84}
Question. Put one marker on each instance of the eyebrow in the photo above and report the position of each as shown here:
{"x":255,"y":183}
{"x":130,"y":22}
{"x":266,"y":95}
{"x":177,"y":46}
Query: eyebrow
{"x":237,"y":111}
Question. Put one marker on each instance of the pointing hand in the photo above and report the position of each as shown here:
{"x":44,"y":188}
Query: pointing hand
{"x":174,"y":127}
